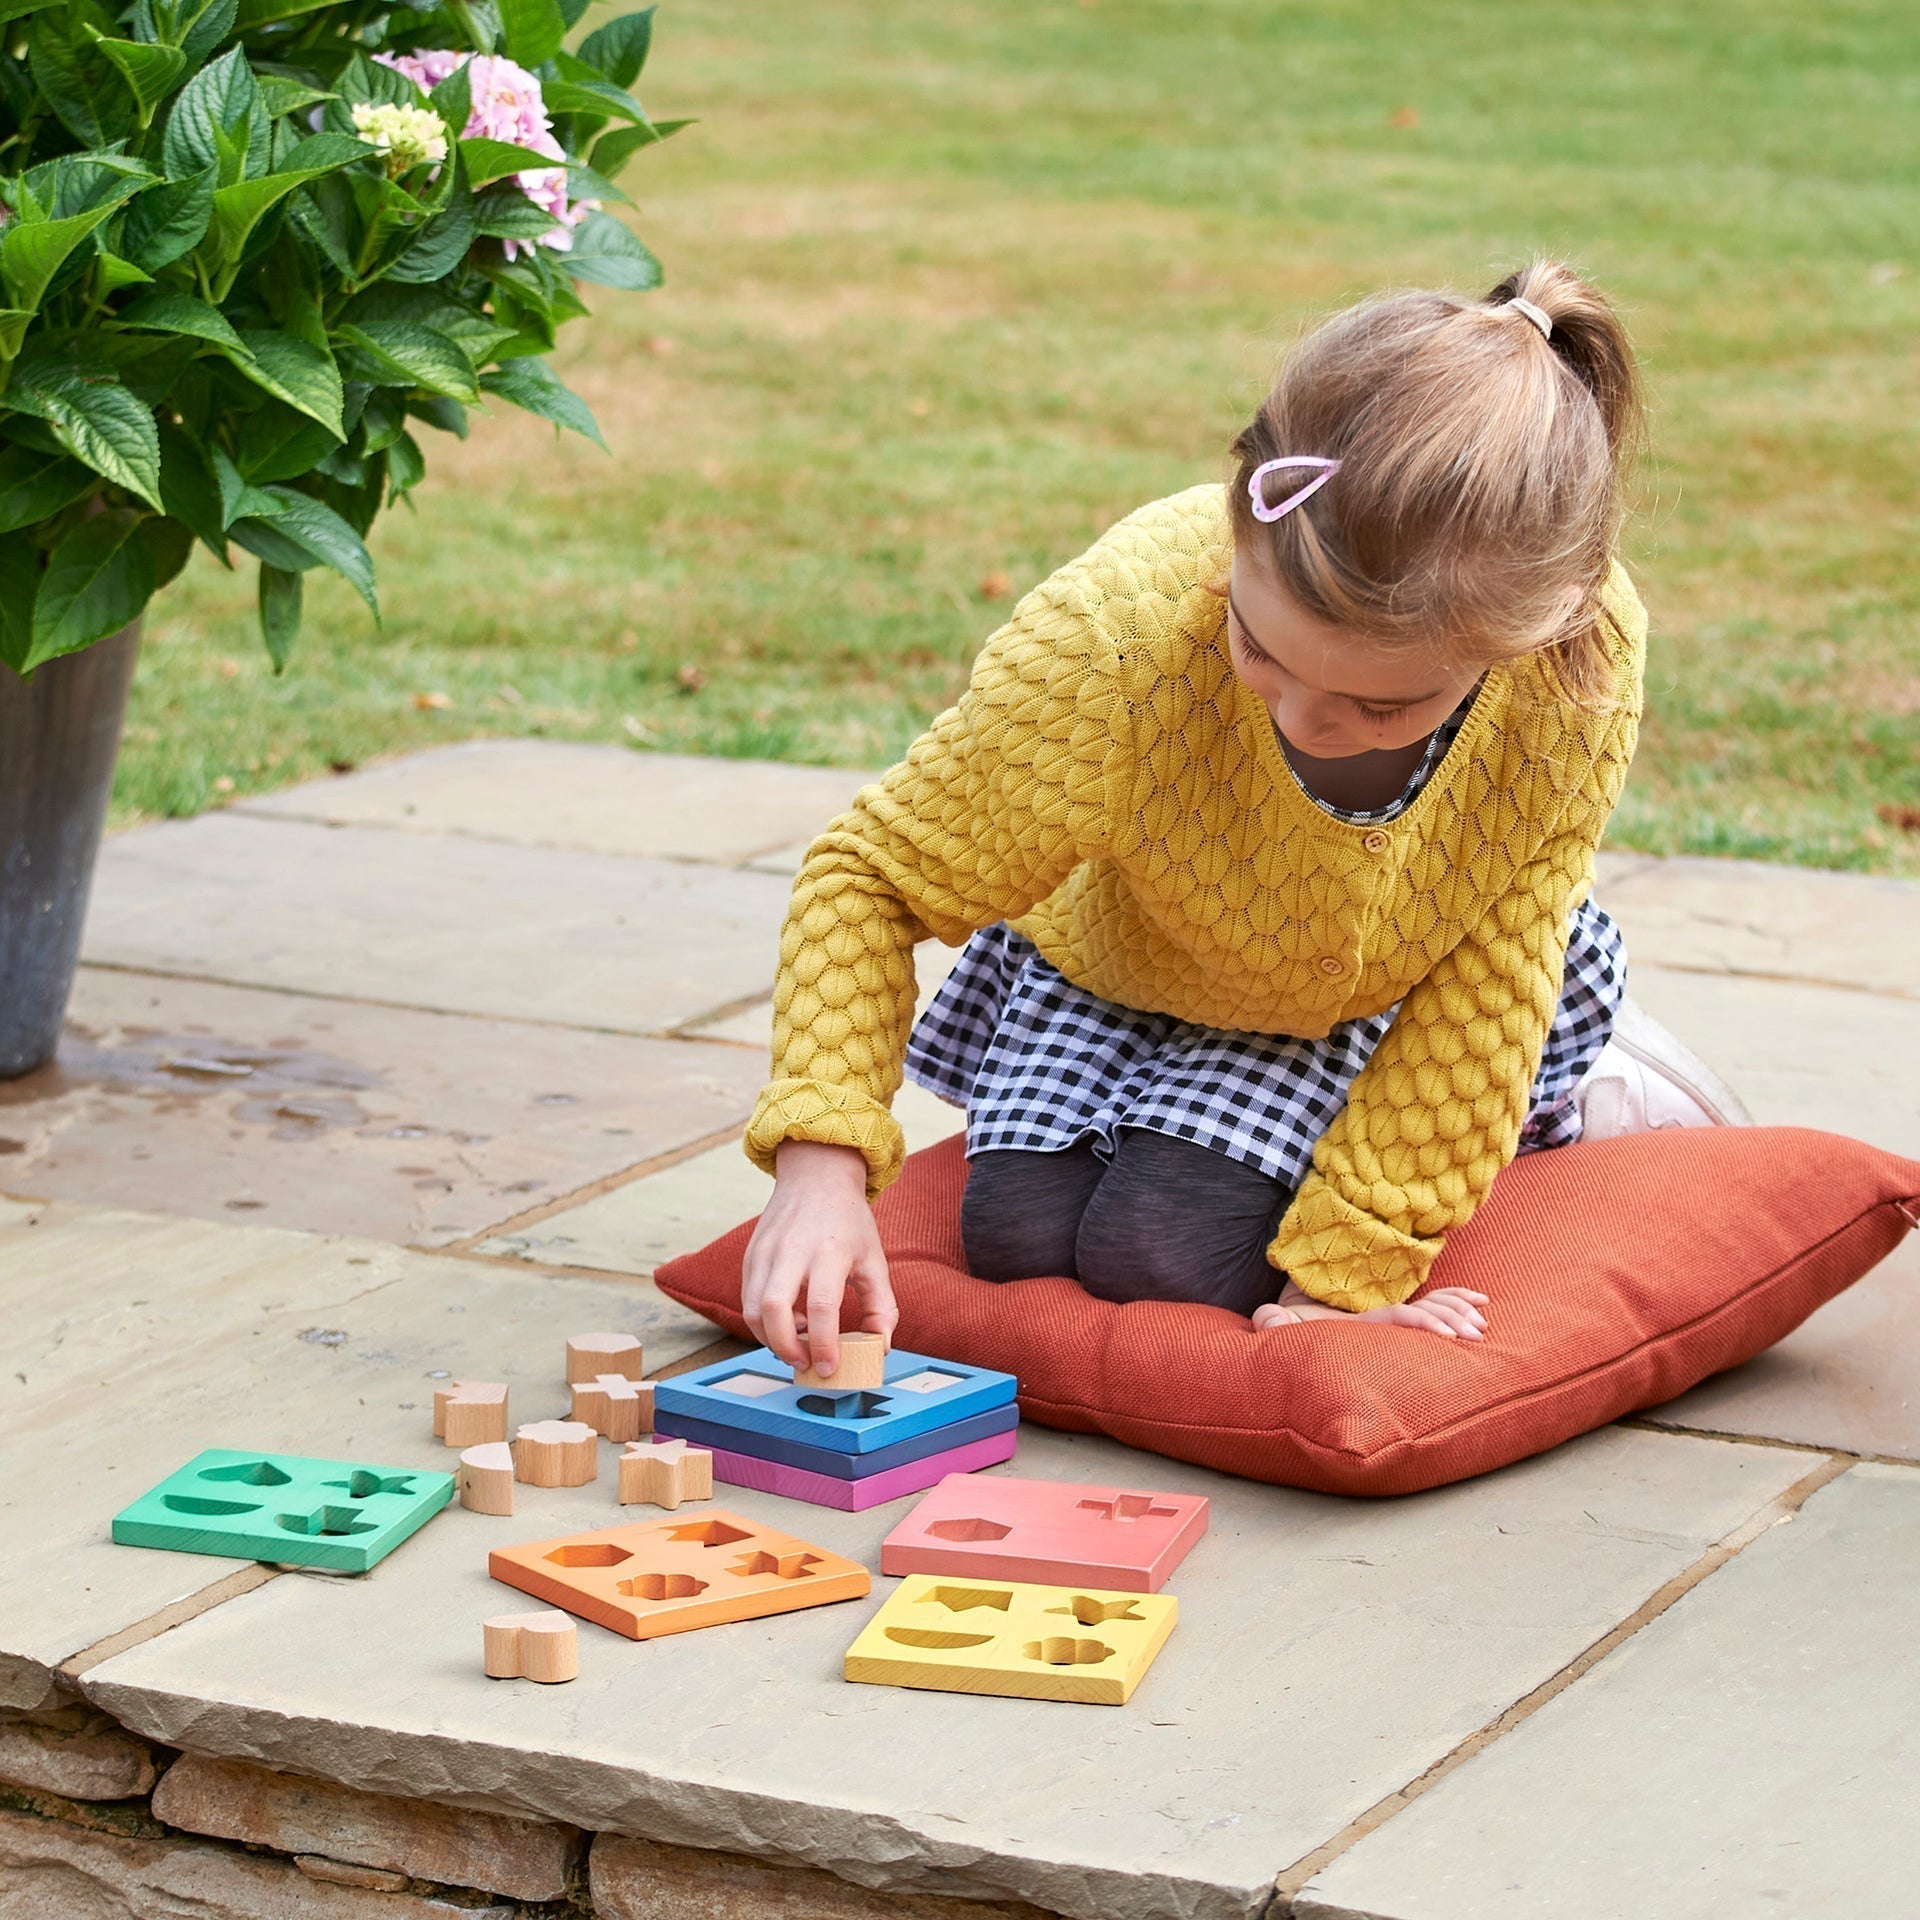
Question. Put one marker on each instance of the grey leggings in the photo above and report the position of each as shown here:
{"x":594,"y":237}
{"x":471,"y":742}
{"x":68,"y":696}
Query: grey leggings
{"x":1163,"y":1220}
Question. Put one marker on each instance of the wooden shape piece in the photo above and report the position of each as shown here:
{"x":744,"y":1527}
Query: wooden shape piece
{"x":469,"y":1413}
{"x":543,"y":1646}
{"x":614,"y":1406}
{"x":556,"y":1453}
{"x":671,"y":1575}
{"x":862,"y":1363}
{"x":589,"y":1355}
{"x":997,"y":1636}
{"x":1054,"y":1532}
{"x":662,"y":1473}
{"x":874,"y":1489}
{"x":337,"y":1514}
{"x":756,"y":1394}
{"x":485,"y":1478}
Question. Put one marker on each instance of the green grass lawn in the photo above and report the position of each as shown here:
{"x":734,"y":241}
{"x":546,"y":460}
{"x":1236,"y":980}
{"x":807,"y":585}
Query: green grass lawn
{"x":951,"y":286}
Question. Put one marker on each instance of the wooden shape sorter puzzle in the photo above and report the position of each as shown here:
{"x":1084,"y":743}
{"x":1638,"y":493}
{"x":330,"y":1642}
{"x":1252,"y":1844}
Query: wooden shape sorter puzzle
{"x":756,"y":1394}
{"x":1053,"y":1531}
{"x":874,"y":1489}
{"x":830,"y":1460}
{"x":993,"y":1636}
{"x":679,"y":1572}
{"x":334,"y":1514}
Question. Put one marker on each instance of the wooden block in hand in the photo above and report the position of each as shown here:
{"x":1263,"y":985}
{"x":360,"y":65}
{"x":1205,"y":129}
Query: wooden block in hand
{"x":485,"y":1478}
{"x":468,"y":1413}
{"x":589,"y":1355}
{"x":863,"y":1363}
{"x":662,"y":1473}
{"x":619,"y":1408}
{"x":556,"y":1453}
{"x":542,"y":1646}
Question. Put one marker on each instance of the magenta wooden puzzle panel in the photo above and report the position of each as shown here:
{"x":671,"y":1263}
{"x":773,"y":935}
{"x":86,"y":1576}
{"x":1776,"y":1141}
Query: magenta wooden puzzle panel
{"x":1049,"y":1532}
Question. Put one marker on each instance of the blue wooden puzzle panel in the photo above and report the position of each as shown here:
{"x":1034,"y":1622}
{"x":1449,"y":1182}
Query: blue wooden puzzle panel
{"x":337,"y":1514}
{"x":842,"y":1466}
{"x":756,"y":1394}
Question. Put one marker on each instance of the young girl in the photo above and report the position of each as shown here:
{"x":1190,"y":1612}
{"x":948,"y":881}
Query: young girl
{"x":1272,"y":820}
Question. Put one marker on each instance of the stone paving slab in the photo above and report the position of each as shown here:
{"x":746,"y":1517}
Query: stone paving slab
{"x":192,"y":1097}
{"x":1749,"y":1752}
{"x":1329,"y":1651}
{"x":437,"y":921}
{"x":633,"y":1228}
{"x":1743,"y":916}
{"x":132,"y":1342}
{"x":594,"y":799}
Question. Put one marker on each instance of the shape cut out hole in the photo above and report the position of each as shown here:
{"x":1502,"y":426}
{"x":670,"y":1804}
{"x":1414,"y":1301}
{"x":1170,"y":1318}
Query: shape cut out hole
{"x":589,"y":1553}
{"x":750,"y":1386}
{"x":789,"y":1566}
{"x":1062,"y":1650}
{"x":662,"y":1586}
{"x":843,"y":1406}
{"x":933,"y":1637}
{"x":927,"y":1380}
{"x":186,"y":1503}
{"x":362,"y":1485}
{"x":1127,"y":1506}
{"x":329,"y":1520}
{"x":709,"y":1533}
{"x":255,"y":1473}
{"x":964,"y":1599}
{"x":1093,"y":1613}
{"x":968,"y":1530}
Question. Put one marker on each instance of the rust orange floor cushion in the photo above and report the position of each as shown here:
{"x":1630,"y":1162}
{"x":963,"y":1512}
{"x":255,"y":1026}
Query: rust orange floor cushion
{"x":1620,"y":1272}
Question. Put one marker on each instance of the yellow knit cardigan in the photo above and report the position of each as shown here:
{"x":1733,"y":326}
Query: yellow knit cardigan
{"x":1111,"y":786}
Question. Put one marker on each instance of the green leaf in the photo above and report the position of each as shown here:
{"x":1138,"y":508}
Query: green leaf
{"x":116,"y":273}
{"x":210,"y":25}
{"x":168,"y":312}
{"x":280,"y":594}
{"x":264,"y":13}
{"x":238,"y":500}
{"x":217,"y":120}
{"x":406,"y":467}
{"x":19,"y":9}
{"x":505,"y":213}
{"x":35,"y":486}
{"x":293,"y":371}
{"x":452,"y":100}
{"x":281,"y":93}
{"x":534,"y":385}
{"x":571,"y":12}
{"x":19,"y":583}
{"x":168,"y":221}
{"x":32,"y":252}
{"x":448,"y":415}
{"x":612,"y":151}
{"x":14,"y":322}
{"x":324,"y":212}
{"x":189,"y":490}
{"x":490,"y":160}
{"x":584,"y":184}
{"x":151,"y":73}
{"x":619,"y":49}
{"x":384,"y":420}
{"x":169,"y":546}
{"x":260,"y":539}
{"x":237,"y":210}
{"x":278,"y":444}
{"x":312,"y":524}
{"x":415,"y":356}
{"x":97,"y":580}
{"x":534,"y":30}
{"x":95,"y":418}
{"x":77,"y":79}
{"x":592,"y":96}
{"x":607,"y":252}
{"x":441,"y":247}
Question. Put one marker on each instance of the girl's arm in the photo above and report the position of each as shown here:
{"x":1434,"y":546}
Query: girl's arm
{"x":990,"y":811}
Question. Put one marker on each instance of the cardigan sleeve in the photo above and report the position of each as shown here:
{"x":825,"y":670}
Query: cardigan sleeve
{"x":991,"y":809}
{"x":1437,"y":1112}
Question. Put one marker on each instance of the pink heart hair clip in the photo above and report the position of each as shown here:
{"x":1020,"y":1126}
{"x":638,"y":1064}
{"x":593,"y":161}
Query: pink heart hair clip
{"x":1256,"y":487}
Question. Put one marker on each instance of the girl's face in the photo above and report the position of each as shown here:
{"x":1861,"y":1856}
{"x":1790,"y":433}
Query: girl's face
{"x":1333,"y":693}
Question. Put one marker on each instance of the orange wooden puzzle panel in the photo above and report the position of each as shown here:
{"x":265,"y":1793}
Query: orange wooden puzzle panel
{"x":678,"y":1572}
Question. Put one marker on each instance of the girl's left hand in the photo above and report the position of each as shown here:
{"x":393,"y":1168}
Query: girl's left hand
{"x":1453,"y":1312}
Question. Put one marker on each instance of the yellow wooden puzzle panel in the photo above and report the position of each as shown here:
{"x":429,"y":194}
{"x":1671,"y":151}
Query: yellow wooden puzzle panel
{"x":998,"y":1636}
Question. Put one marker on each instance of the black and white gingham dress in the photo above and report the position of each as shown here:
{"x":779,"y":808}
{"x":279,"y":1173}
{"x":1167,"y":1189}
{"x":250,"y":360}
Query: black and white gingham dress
{"x":1039,"y":1063}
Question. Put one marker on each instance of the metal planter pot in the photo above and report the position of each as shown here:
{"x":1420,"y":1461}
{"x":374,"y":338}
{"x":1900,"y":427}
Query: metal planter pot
{"x":59,"y":737}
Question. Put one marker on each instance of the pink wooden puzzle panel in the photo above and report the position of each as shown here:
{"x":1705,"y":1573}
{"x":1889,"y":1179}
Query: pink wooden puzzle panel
{"x":1051,"y":1532}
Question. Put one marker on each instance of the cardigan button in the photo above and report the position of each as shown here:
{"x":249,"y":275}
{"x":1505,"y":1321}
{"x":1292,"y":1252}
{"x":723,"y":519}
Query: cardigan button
{"x":1376,"y":842}
{"x":1330,"y":966}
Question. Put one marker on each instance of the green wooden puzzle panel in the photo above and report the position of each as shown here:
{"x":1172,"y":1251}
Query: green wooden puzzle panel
{"x":337,"y":1514}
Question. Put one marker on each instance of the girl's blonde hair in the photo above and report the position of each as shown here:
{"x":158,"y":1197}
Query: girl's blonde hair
{"x":1481,"y":471}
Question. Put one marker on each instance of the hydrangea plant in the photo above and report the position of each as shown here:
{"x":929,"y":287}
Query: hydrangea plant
{"x":249,"y":249}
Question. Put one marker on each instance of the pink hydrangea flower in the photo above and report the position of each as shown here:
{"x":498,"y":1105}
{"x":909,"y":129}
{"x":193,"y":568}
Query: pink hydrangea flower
{"x":507,"y":105}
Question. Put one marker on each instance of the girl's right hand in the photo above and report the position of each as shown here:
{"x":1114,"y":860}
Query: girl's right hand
{"x":816,"y":1239}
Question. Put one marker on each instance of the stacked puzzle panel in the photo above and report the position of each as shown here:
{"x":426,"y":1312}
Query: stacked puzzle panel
{"x":846,"y":1448}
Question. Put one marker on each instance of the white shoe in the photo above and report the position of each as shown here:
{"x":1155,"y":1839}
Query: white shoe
{"x":1645,"y":1080}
